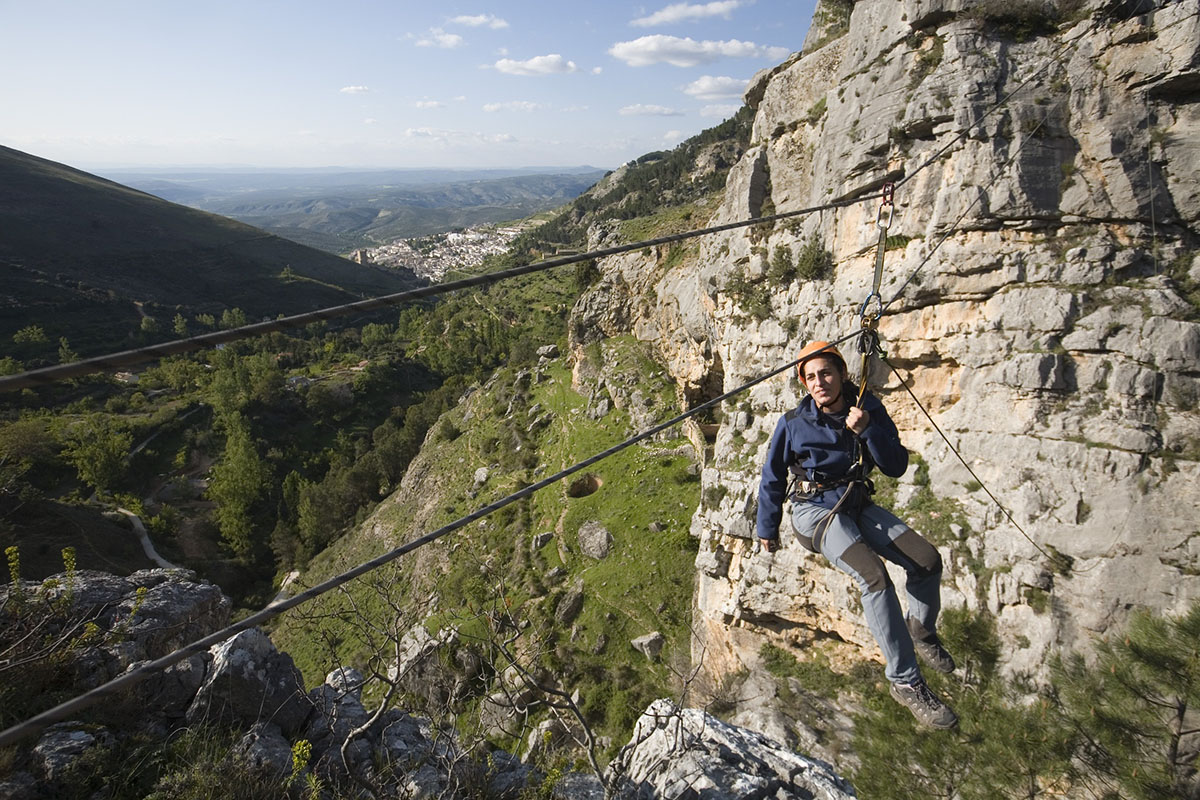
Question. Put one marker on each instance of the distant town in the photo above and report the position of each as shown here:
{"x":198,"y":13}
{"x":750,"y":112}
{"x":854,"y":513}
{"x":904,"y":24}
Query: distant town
{"x":433,"y":256}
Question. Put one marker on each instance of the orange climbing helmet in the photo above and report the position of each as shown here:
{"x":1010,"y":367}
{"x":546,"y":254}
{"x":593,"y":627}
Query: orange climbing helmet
{"x":815,"y":350}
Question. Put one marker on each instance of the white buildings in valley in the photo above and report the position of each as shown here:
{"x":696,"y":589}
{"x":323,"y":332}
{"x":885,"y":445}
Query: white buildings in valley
{"x":433,"y":256}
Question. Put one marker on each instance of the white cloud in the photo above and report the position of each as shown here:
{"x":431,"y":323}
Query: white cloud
{"x":538,"y":65}
{"x":597,"y":70}
{"x":672,"y":136}
{"x":443,"y":136}
{"x":683,"y":12}
{"x":710,"y":87}
{"x":514,"y":105}
{"x":429,"y":104}
{"x":354,"y":90}
{"x":370,"y":121}
{"x":640,"y":110}
{"x":687,"y":52}
{"x":439,"y":38}
{"x":719,"y":111}
{"x":479,"y":21}
{"x":573,"y":109}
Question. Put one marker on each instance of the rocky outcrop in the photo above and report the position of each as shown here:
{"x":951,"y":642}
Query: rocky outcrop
{"x":1042,"y":264}
{"x":244,"y":684}
{"x":680,"y":753}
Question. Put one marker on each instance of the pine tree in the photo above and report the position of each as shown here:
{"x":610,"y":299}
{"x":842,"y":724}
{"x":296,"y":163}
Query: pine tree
{"x":1136,"y":709}
{"x":238,"y":481}
{"x":1004,"y":746}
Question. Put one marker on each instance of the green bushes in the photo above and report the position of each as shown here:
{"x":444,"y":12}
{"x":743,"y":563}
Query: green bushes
{"x":1025,"y":19}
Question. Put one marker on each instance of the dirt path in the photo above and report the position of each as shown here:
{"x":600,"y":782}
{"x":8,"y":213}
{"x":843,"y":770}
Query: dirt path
{"x":147,"y":546}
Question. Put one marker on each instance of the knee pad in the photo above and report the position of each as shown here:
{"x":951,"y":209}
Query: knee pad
{"x":925,"y":557}
{"x":867,"y":567}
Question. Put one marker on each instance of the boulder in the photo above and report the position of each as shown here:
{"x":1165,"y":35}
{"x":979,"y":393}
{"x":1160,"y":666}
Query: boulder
{"x":250,"y":681}
{"x":62,"y":745}
{"x":266,"y":750}
{"x":676,"y":753}
{"x":569,"y":605}
{"x":594,"y":540}
{"x":650,"y":645}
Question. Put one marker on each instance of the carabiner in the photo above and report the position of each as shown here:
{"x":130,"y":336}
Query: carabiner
{"x":891,"y":212}
{"x":873,"y":318}
{"x":889,"y":196}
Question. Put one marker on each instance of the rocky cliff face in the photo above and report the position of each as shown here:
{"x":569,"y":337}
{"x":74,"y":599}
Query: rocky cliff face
{"x":1047,"y":215}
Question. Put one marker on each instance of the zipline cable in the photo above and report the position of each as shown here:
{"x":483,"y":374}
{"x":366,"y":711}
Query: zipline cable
{"x":127,"y":358}
{"x":68,"y":708}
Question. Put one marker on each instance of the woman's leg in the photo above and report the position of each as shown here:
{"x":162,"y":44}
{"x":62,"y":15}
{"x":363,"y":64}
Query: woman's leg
{"x":888,"y":536}
{"x":843,"y":544}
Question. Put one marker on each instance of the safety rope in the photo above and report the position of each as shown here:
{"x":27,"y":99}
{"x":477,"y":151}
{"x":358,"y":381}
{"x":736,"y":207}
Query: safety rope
{"x":1064,"y":562}
{"x":67,"y":709}
{"x":138,"y":355}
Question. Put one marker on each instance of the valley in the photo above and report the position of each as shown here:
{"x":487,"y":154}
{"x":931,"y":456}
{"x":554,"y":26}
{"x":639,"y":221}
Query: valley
{"x":1041,"y":275}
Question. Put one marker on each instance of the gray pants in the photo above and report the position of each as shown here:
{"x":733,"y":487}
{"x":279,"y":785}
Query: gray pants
{"x":856,"y":547}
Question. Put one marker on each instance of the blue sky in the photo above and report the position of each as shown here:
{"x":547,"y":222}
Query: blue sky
{"x":366,"y":83}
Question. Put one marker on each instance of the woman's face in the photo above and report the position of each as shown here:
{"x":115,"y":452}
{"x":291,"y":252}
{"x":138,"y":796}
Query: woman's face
{"x":823,"y":378}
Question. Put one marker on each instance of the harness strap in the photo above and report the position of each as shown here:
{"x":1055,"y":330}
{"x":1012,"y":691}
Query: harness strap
{"x":823,"y":526}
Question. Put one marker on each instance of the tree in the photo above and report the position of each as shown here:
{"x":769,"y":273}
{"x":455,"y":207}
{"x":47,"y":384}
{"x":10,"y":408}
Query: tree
{"x":24,"y":443}
{"x":1136,"y":709}
{"x":233,"y":318}
{"x":65,"y":354}
{"x":179,"y":325}
{"x":238,"y":481}
{"x":30,"y":334}
{"x":97,"y":447}
{"x":1004,"y":747}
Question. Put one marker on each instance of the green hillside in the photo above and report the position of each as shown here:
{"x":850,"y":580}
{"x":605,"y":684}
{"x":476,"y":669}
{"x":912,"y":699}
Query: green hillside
{"x":314,"y":449}
{"x":89,"y":260}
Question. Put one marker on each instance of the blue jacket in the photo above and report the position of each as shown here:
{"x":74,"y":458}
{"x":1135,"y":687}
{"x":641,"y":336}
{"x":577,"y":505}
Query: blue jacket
{"x":822,"y":448}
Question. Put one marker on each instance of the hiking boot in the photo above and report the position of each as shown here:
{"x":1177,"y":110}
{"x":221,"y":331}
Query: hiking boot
{"x":929,"y":647}
{"x":926,"y":706}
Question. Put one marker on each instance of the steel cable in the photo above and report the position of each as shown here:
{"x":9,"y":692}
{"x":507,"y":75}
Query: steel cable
{"x":67,"y":709}
{"x":138,"y":355}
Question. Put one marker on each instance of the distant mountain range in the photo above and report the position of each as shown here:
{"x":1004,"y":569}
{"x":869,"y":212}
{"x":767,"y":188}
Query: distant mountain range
{"x":89,"y":259}
{"x":340,"y":211}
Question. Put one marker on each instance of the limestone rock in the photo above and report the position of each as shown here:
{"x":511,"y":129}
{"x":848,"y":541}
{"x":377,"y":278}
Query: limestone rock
{"x":250,"y":681}
{"x":338,"y":713}
{"x":62,"y":745}
{"x":569,"y":605}
{"x":594,"y":540}
{"x":265,"y":748}
{"x":686,"y":752}
{"x":650,"y":645}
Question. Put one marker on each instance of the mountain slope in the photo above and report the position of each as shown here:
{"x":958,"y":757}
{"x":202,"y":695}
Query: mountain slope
{"x":87,"y":259}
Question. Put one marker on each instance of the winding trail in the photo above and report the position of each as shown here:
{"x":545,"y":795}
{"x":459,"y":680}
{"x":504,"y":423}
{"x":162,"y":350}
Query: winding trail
{"x":147,"y":546}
